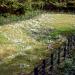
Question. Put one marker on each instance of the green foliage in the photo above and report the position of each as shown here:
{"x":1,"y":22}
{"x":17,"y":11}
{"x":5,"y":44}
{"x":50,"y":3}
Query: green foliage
{"x":2,"y":1}
{"x":7,"y":18}
{"x":69,"y":66}
{"x":12,"y":6}
{"x":20,"y":6}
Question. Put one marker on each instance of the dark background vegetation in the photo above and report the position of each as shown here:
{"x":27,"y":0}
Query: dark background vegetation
{"x":21,"y":6}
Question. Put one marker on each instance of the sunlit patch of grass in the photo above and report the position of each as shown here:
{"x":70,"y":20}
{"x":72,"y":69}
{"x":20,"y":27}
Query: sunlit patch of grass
{"x":5,"y":47}
{"x":3,"y":39}
{"x":6,"y":50}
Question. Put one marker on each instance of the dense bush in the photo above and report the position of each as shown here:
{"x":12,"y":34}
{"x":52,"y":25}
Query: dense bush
{"x":16,"y":8}
{"x":3,"y":9}
{"x":11,"y":6}
{"x":20,"y":6}
{"x":49,"y":6}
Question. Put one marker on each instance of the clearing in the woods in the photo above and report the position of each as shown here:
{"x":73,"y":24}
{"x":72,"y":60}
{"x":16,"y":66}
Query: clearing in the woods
{"x":24,"y":43}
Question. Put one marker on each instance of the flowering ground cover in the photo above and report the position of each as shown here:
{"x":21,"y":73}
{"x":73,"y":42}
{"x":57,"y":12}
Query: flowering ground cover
{"x":24,"y":43}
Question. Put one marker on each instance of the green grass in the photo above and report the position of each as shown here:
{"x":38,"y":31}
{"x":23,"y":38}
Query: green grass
{"x":12,"y":18}
{"x":29,"y":38}
{"x":3,"y":39}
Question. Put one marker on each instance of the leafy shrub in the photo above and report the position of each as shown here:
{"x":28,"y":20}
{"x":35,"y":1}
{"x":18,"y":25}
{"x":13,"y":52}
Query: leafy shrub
{"x":12,"y":6}
{"x":35,"y":6}
{"x":3,"y":9}
{"x":49,"y":6}
{"x":17,"y":8}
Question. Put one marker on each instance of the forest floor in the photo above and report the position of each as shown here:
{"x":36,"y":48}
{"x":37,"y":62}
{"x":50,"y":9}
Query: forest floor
{"x":24,"y":43}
